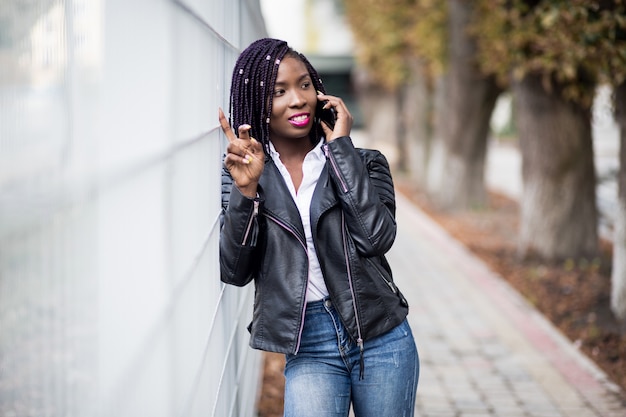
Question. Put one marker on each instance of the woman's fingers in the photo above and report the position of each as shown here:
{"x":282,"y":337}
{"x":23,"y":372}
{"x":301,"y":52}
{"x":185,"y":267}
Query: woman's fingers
{"x":244,"y":146}
{"x":226,"y":126}
{"x":343,"y":122}
{"x":249,"y":145}
{"x":244,"y":157}
{"x":336,"y":103}
{"x":244,"y":132}
{"x":326,"y":129}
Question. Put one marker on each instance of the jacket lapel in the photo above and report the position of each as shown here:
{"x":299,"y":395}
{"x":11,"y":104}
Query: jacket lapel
{"x":278,"y":200}
{"x":324,"y":196}
{"x":279,"y":203}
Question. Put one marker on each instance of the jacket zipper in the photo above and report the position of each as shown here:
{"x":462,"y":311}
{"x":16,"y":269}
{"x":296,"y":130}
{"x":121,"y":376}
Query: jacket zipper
{"x":303,"y":244}
{"x":255,"y":213}
{"x":385,"y":280}
{"x":344,"y":188}
{"x":333,"y":163}
{"x":359,"y":340}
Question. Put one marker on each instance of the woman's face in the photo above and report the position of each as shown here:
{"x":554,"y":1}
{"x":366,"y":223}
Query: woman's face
{"x":294,"y":102}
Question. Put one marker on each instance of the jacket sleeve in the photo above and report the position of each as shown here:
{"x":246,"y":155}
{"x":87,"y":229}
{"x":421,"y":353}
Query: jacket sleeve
{"x":239,"y":221}
{"x":365,"y":188}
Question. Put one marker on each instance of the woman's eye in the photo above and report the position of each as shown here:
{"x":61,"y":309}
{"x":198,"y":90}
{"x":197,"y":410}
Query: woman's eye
{"x":306,"y":84}
{"x":279,"y":92}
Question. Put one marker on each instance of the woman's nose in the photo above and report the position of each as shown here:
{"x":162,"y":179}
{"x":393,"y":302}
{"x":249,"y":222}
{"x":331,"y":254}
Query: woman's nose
{"x":297,"y":99}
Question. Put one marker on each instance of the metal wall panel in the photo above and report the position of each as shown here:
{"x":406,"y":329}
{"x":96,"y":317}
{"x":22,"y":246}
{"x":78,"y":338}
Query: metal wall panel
{"x":110,"y":156}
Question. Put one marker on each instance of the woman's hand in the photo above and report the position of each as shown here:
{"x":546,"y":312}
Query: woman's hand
{"x":244,"y":157}
{"x":343,"y":124}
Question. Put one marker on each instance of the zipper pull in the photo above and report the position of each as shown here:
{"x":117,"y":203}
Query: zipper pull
{"x":359,"y":343}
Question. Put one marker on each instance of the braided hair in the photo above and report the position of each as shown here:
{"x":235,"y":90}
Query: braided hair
{"x":252,"y":87}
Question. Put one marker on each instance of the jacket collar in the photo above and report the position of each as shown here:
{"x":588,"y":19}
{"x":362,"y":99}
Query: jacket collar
{"x":278,"y":201}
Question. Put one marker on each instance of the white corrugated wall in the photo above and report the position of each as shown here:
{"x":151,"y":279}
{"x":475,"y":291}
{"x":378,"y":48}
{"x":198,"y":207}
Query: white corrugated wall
{"x":110,"y":154}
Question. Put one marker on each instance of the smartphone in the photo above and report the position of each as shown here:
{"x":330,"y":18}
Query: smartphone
{"x":328,"y":116}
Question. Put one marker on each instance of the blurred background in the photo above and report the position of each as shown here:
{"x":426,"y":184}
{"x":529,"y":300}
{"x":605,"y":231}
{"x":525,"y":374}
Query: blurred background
{"x":110,"y":153}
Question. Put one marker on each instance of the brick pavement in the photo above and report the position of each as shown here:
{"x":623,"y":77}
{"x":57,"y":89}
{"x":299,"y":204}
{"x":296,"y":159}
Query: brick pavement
{"x":484,"y":350}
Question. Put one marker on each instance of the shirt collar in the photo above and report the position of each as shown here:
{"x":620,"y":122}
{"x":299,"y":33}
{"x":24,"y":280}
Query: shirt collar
{"x":317,"y":152}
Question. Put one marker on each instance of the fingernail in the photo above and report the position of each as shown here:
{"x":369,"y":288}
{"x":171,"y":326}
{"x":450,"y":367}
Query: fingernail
{"x":246,"y":159}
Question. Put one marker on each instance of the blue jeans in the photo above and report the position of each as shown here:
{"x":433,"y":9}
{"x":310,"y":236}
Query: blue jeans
{"x":323,"y":378}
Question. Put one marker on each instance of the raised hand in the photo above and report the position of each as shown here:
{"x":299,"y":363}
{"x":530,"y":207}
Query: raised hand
{"x":343,"y":124}
{"x":244,"y":157}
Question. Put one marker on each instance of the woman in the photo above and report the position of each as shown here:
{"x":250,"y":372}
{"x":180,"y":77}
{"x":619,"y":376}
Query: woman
{"x":309,"y":218}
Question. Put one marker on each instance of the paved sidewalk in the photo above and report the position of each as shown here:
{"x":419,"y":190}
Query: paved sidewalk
{"x":484,"y":350}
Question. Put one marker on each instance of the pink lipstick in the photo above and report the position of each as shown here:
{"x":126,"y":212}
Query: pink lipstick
{"x":300,"y":119}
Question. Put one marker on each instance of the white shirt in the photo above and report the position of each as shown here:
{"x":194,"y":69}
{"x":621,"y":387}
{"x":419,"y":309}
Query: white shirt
{"x":312,"y":167}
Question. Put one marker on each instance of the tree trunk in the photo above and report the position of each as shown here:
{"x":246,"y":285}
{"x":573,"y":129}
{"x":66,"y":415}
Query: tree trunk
{"x":417,"y":116}
{"x":436,"y":166}
{"x":464,"y":120}
{"x":402,"y":163}
{"x":381,"y":116}
{"x":618,"y":274}
{"x":558,"y":211}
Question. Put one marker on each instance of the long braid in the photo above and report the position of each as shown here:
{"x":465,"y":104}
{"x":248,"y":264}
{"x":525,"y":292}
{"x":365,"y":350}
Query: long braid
{"x":316,"y":131}
{"x":252,"y":87}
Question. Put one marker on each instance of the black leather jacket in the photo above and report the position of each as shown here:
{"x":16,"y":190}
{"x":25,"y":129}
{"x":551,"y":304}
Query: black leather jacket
{"x":353,"y":226}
